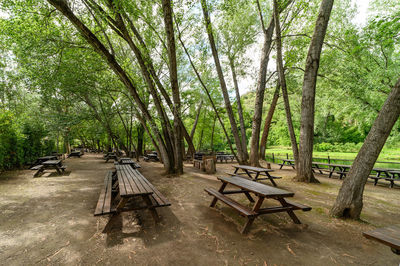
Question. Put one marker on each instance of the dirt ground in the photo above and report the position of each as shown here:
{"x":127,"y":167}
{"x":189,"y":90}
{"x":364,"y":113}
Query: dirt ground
{"x":49,"y":221}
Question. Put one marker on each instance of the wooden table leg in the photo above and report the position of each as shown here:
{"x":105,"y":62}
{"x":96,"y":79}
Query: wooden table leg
{"x":248,"y":196}
{"x":331,"y":172}
{"x":58,"y":170}
{"x":251,"y":219}
{"x":151,"y":208}
{"x":248,"y":173}
{"x":221,"y":189}
{"x":271,"y":179}
{"x":290,"y":212}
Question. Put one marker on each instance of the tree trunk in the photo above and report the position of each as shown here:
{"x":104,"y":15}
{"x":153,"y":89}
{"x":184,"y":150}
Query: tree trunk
{"x":268,"y":121}
{"x":140,"y":132}
{"x":63,"y":7}
{"x":212,"y":135}
{"x":261,"y":83}
{"x":173,"y":73}
{"x":349,"y":203}
{"x":228,"y":106}
{"x":304,"y":167}
{"x":208,"y":95}
{"x":240,"y":109}
{"x":282,"y":81}
{"x":191,"y":152}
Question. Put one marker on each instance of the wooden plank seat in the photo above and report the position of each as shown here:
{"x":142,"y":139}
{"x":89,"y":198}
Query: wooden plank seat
{"x":299,"y":206}
{"x":105,"y":199}
{"x":389,"y":236}
{"x":230,"y":202}
{"x":37,"y":167}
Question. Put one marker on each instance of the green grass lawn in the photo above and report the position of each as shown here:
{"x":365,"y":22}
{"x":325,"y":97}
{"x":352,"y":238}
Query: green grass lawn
{"x":392,"y":155}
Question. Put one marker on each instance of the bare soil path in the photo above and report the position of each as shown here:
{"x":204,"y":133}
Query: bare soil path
{"x":49,"y":221}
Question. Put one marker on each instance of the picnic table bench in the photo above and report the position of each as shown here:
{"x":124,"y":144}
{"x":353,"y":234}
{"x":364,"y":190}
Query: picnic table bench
{"x":122,"y":186}
{"x":389,"y":236}
{"x":129,"y":161}
{"x":262,"y":192}
{"x":254,"y":172}
{"x":75,"y":154}
{"x":49,"y":164}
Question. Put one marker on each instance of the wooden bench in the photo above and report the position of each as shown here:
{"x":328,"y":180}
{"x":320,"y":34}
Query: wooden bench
{"x":389,"y":236}
{"x":376,"y":179}
{"x":230,"y":202}
{"x":104,"y":202}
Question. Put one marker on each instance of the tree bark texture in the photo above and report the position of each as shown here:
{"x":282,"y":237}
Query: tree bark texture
{"x":173,"y":71}
{"x":349,"y":201}
{"x":268,"y":121}
{"x":304,"y":168}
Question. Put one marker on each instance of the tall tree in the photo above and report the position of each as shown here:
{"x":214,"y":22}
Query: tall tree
{"x":304,"y":166}
{"x":173,"y":71}
{"x":282,"y":81}
{"x":349,"y":202}
{"x":224,"y":89}
{"x":261,"y":84}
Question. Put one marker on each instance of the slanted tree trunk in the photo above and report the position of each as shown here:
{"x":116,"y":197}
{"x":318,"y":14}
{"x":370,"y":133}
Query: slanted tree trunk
{"x":228,"y":106}
{"x":304,"y":167}
{"x":240,"y":109}
{"x":349,"y":202}
{"x":208,"y":95}
{"x":190,"y":152}
{"x":212,"y":135}
{"x":98,"y":46}
{"x":140,"y":133}
{"x":261,"y":83}
{"x":173,"y":73}
{"x":268,"y":121}
{"x":282,"y":81}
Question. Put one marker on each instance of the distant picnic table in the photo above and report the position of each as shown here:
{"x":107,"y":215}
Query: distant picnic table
{"x":49,"y":164}
{"x":389,"y":236}
{"x":151,"y":156}
{"x":40,"y":160}
{"x":225,"y":158}
{"x":262,"y":192}
{"x":129,"y":161}
{"x":110,"y":155}
{"x":254,"y":172}
{"x":75,"y":154}
{"x":388,"y":174}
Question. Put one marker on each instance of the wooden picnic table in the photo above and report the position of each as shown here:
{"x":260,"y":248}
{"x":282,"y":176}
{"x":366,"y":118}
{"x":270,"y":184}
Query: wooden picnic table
{"x":254,"y":172}
{"x":225,"y":157}
{"x":129,"y":161}
{"x":389,"y":236}
{"x":262,"y":192}
{"x":288,"y":162}
{"x":111,"y":155}
{"x":75,"y":154}
{"x":40,"y":160}
{"x":130,"y":184}
{"x":49,"y":164}
{"x":151,"y":156}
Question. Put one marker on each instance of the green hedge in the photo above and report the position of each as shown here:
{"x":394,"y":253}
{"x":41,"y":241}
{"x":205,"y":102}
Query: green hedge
{"x":21,"y":143}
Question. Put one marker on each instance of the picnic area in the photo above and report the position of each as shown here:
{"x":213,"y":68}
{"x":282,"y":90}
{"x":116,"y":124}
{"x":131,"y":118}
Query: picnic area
{"x":49,"y":220}
{"x":224,"y":132}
